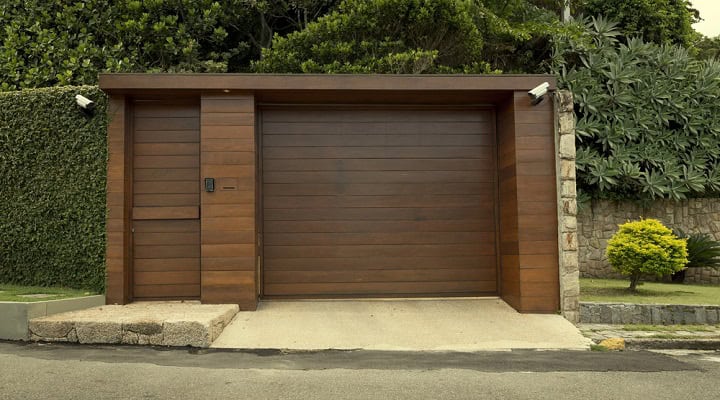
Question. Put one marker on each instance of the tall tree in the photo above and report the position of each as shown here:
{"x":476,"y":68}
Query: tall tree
{"x":382,"y":36}
{"x":657,"y":21}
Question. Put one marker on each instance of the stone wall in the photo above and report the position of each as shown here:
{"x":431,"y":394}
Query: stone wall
{"x":567,"y":206}
{"x":598,"y":221}
{"x":651,"y":314}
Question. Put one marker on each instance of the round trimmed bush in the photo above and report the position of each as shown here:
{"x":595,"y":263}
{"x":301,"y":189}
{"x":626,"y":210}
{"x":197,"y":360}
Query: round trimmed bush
{"x":646,"y":247}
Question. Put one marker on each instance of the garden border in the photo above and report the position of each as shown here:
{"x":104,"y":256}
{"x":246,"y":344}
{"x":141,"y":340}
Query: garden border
{"x":651,"y":314}
{"x":15,"y":315}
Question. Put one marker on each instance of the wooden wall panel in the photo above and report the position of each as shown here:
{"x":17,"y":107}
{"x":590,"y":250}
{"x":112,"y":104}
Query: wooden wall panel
{"x":508,"y":219}
{"x":119,"y":202}
{"x":537,"y":205}
{"x":228,"y":237}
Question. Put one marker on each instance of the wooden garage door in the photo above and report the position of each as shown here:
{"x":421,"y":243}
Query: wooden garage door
{"x":378,"y":202}
{"x":166,"y":199}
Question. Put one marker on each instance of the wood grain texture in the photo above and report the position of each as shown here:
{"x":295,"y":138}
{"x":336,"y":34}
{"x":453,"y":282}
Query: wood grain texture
{"x":119,"y":203}
{"x":327,"y":82}
{"x":166,"y":199}
{"x":508,"y":219}
{"x":378,"y":201}
{"x":537,"y":207}
{"x":229,"y":239}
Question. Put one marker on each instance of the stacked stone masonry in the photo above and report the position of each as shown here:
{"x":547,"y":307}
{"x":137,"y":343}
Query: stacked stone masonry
{"x":599,"y":220}
{"x":652,"y":314}
{"x":567,"y":207}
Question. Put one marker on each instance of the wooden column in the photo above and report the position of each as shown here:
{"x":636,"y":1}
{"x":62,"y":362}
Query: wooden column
{"x":228,"y":222}
{"x":509,"y":285}
{"x":537,"y":204}
{"x":118,"y":258}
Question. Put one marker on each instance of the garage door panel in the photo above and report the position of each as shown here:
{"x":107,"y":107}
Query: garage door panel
{"x":300,"y":127}
{"x":378,"y":202}
{"x":395,"y":250}
{"x":482,"y":152}
{"x":384,"y":275}
{"x":380,"y":263}
{"x":341,"y":176}
{"x":366,"y":189}
{"x":375,"y":213}
{"x":361,"y":140}
{"x":310,"y":239}
{"x":479,"y":225}
{"x":416,"y":164}
{"x":372,"y":289}
{"x":340,"y":201}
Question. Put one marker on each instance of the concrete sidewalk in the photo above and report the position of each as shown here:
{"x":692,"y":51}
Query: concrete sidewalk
{"x":408,"y":325}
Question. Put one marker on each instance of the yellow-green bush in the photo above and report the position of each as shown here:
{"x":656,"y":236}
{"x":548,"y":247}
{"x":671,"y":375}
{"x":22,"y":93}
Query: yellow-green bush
{"x":646,"y":247}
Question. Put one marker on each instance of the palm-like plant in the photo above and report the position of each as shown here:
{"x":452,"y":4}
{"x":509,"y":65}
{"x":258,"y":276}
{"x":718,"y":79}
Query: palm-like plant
{"x":703,"y":251}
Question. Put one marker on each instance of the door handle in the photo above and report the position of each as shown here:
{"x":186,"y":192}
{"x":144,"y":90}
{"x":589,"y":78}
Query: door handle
{"x":209,"y":184}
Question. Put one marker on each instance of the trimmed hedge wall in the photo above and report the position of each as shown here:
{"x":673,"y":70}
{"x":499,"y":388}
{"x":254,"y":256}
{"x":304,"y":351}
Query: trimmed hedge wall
{"x":53,"y":157}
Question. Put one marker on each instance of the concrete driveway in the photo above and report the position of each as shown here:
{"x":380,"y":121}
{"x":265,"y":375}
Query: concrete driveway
{"x":466,"y":324}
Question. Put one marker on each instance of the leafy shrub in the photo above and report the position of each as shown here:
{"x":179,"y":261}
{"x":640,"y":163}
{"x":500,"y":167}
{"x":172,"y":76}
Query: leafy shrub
{"x":703,"y":250}
{"x":646,"y":247}
{"x":648,"y":116}
{"x":48,"y":43}
{"x":52,"y":198}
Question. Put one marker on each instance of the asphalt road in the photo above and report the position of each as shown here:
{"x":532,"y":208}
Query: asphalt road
{"x":35,"y":371}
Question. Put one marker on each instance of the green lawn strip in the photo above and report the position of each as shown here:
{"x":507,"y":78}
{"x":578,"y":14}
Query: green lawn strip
{"x":615,"y":290}
{"x":15,"y":292}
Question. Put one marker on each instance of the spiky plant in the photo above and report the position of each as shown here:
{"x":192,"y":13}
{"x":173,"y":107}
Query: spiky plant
{"x":703,"y":250}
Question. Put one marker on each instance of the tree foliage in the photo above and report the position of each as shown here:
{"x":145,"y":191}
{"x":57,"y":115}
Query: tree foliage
{"x":646,"y":247}
{"x":708,"y":48}
{"x":68,"y":42}
{"x":419,"y":36}
{"x":657,"y":21}
{"x":648,"y":116}
{"x":382,"y":36}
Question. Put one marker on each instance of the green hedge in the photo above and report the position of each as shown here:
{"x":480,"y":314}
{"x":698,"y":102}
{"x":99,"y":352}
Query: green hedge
{"x":52,"y":199}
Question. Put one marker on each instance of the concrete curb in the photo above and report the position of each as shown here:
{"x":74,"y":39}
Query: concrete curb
{"x":672,"y":344}
{"x":15,"y":315}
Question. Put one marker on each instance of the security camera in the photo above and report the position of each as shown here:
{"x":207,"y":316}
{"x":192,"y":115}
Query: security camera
{"x":536,"y":94}
{"x":84,"y":102}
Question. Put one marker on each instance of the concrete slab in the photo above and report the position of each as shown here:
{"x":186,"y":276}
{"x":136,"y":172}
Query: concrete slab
{"x":403,"y":324}
{"x":155,"y":323}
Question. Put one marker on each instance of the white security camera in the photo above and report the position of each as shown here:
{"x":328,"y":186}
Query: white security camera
{"x":536,"y":94}
{"x":84,"y":102}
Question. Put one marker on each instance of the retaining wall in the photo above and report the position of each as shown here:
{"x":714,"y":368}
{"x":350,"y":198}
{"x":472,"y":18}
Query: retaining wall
{"x":599,"y":220}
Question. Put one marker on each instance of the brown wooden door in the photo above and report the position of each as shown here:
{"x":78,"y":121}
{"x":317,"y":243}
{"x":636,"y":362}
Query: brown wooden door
{"x":166,"y":199}
{"x":378,"y":202}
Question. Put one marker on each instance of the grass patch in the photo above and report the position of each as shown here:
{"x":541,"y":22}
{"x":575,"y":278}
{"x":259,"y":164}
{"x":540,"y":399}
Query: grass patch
{"x":597,"y":347}
{"x":616,"y":290}
{"x":669,"y":328}
{"x":17,"y":293}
